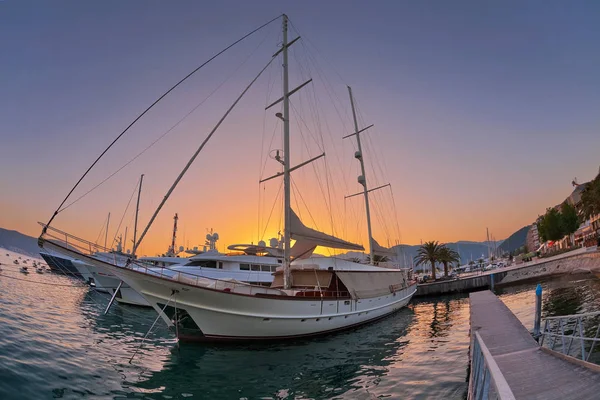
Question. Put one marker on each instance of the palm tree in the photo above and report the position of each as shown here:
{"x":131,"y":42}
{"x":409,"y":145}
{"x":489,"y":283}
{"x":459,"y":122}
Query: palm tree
{"x":428,"y":253}
{"x":446,"y":255}
{"x":377,"y":259}
{"x":480,"y":262}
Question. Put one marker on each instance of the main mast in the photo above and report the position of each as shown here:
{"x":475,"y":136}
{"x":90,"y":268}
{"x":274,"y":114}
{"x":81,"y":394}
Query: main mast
{"x":363,"y":178}
{"x":286,"y":161}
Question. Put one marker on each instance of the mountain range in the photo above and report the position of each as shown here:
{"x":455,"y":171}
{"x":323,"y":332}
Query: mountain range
{"x":19,"y":243}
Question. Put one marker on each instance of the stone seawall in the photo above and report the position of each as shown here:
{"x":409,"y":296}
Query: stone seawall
{"x":577,"y":264}
{"x":582,"y":262}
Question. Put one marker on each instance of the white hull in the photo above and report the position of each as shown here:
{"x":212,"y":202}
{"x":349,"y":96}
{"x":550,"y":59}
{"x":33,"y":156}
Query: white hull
{"x":214,"y":314}
{"x":224,"y":315}
{"x":109,"y":282}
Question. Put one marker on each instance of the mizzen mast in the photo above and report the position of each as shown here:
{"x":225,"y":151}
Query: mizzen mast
{"x":362,"y":179}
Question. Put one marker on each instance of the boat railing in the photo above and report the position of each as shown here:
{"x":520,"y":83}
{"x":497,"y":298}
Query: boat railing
{"x":73,"y":242}
{"x":202,"y":281}
{"x":486,"y":380}
{"x":574,"y":335}
{"x":323,"y":293}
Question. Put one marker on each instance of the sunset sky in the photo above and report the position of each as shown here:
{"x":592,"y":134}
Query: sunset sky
{"x":483,"y":113}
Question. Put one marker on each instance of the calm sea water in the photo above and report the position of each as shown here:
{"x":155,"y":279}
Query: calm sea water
{"x":55,"y":342}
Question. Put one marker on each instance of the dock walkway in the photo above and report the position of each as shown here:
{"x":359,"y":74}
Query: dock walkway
{"x":529,"y":371}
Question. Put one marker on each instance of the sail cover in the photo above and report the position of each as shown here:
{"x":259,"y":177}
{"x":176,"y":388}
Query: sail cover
{"x":308,"y":239}
{"x":382,"y":251}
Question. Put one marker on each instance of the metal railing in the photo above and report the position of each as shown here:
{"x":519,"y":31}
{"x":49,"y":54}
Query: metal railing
{"x":486,"y":380}
{"x":560,"y":333}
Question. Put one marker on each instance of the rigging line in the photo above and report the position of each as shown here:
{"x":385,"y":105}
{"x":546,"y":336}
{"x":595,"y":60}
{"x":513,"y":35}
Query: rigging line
{"x":125,"y":212}
{"x":305,"y":205}
{"x":317,"y":50}
{"x":327,"y":176}
{"x":328,"y":89}
{"x":271,"y":213}
{"x":101,"y":230}
{"x":40,"y":283}
{"x":169,"y":130}
{"x":317,"y":175}
{"x":198,"y":152}
{"x":137,"y":318}
{"x":145,"y":111}
{"x":262,"y":151}
{"x":395,"y":212}
{"x":150,"y":330}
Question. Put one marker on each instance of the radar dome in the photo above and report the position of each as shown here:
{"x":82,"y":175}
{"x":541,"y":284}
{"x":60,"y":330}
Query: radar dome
{"x":262,"y":244}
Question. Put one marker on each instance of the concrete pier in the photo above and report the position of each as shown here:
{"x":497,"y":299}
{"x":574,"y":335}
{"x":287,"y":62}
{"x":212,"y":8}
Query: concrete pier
{"x":530,"y":371}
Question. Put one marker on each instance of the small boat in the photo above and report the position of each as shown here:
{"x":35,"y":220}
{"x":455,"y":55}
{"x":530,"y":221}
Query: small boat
{"x":24,"y":269}
{"x":16,"y":262}
{"x":39,"y":270}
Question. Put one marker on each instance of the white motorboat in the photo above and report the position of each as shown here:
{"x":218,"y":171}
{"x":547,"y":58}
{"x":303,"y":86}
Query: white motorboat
{"x":308,"y":296}
{"x":23,"y":269}
{"x":255,"y":265}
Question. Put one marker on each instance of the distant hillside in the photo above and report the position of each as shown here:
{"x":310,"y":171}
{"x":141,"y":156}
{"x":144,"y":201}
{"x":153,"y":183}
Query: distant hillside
{"x":467,"y":250}
{"x":19,"y":243}
{"x":515,"y":240}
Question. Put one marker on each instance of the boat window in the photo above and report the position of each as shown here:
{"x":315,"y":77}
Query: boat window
{"x":245,"y":267}
{"x":255,"y":267}
{"x":273,"y":268}
{"x":265,"y":268}
{"x":203,"y":264}
{"x":220,"y":264}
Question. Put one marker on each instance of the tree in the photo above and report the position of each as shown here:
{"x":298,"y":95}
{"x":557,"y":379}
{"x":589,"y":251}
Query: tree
{"x":447,"y":255}
{"x":569,"y":220}
{"x":590,"y":198}
{"x":428,"y":253}
{"x":550,"y":227}
{"x":377,"y":259}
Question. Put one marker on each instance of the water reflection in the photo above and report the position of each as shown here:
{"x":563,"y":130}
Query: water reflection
{"x":318,"y":368}
{"x":418,"y":353}
{"x":565,"y":295}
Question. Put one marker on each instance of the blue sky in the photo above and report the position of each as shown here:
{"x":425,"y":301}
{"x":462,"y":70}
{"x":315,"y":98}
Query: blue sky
{"x":485,"y":111}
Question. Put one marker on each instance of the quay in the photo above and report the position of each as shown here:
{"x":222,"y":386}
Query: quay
{"x":583,"y":260}
{"x":507,"y":363}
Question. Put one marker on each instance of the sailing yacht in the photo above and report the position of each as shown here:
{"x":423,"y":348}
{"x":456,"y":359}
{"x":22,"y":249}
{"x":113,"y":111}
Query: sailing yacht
{"x":309,"y":295}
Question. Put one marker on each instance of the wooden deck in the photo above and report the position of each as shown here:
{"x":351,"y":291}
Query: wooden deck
{"x":530,"y":372}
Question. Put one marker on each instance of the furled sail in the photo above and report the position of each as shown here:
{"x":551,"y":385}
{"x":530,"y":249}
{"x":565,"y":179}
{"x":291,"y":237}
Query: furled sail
{"x":382,"y":251}
{"x":308,"y":239}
